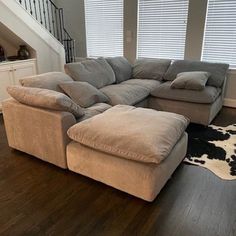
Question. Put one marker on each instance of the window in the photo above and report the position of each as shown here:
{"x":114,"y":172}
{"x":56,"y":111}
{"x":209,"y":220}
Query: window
{"x":162,"y":28}
{"x":220,"y":32}
{"x":104,"y":27}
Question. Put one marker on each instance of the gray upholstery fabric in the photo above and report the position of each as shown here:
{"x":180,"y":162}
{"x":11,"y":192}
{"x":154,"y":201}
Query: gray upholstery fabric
{"x":96,"y":72}
{"x":150,"y":84}
{"x":94,"y":110}
{"x":218,"y":70}
{"x":45,"y":98}
{"x":194,"y":80}
{"x":196,"y":112}
{"x":148,"y":68}
{"x":207,"y":95}
{"x":144,"y":103}
{"x":49,"y":80}
{"x":83,"y":93}
{"x":121,"y":68}
{"x":125,"y":94}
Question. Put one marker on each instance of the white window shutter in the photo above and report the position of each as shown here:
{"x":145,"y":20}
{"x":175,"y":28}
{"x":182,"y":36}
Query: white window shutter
{"x":220,"y":32}
{"x":104,"y":27}
{"x":162,"y":28}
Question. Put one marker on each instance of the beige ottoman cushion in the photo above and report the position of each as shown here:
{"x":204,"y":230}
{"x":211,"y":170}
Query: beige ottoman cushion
{"x":138,"y":134}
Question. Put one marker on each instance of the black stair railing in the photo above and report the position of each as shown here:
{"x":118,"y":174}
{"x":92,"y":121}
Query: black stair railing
{"x":52,"y":18}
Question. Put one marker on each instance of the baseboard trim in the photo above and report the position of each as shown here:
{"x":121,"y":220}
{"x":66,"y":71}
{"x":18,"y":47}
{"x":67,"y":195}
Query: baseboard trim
{"x":230,"y":102}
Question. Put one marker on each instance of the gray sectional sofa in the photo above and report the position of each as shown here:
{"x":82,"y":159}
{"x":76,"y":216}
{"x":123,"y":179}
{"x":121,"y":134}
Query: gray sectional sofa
{"x":148,"y":83}
{"x":39,"y":115}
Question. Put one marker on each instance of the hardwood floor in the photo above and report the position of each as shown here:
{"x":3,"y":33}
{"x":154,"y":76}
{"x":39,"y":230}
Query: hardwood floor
{"x":37,"y":198}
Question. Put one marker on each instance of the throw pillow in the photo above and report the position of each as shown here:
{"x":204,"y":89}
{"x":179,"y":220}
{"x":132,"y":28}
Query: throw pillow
{"x":121,"y":67}
{"x":45,"y":98}
{"x":193,"y":80}
{"x":83,"y":93}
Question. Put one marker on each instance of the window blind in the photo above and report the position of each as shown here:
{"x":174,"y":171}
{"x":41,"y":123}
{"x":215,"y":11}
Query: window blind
{"x":162,"y":28}
{"x":220,"y":32}
{"x":104,"y":27}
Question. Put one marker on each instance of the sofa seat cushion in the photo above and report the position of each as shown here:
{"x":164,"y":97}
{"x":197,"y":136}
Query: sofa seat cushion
{"x":138,"y":134}
{"x":121,"y":67}
{"x":45,"y":98}
{"x":50,"y":80}
{"x":208,"y":95}
{"x":94,"y":110}
{"x":125,"y":94}
{"x":149,"y":84}
{"x":96,"y":72}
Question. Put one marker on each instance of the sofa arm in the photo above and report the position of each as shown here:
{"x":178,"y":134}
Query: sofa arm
{"x":38,"y":132}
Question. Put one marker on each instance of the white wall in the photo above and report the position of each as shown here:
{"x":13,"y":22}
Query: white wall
{"x":9,"y":49}
{"x":50,"y":53}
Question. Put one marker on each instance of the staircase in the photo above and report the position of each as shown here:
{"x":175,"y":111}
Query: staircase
{"x":51,"y":18}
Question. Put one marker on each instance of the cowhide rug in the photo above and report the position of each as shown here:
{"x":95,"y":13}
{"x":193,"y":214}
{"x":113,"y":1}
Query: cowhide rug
{"x":214,"y":148}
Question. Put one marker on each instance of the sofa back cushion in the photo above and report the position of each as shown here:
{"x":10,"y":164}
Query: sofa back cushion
{"x":83,"y":93}
{"x":217,"y":70}
{"x":121,"y":67}
{"x":49,"y":80}
{"x":148,"y":68}
{"x":45,"y":98}
{"x":96,"y":72}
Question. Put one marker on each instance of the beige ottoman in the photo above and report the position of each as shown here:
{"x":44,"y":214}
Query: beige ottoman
{"x":135,"y":150}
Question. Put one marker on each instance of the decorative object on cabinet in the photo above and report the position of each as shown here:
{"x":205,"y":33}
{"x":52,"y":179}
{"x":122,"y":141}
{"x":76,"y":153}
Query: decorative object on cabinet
{"x":11,"y":72}
{"x":23,"y":53}
{"x":2,"y":54}
{"x":12,"y":58}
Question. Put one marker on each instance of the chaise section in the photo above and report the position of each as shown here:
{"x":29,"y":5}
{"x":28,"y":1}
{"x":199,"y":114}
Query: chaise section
{"x":126,"y":94}
{"x":208,"y":95}
{"x":38,"y":132}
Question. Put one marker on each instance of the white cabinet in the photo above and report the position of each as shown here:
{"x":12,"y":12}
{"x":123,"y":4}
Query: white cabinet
{"x":11,"y":72}
{"x":5,"y":80}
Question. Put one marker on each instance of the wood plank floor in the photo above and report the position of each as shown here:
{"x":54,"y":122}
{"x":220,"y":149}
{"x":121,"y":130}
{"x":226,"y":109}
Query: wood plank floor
{"x":37,"y":198}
